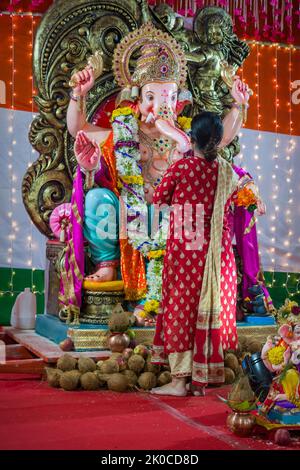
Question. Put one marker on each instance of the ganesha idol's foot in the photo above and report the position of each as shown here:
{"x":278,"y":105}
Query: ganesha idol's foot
{"x":176,"y":389}
{"x":103,"y":274}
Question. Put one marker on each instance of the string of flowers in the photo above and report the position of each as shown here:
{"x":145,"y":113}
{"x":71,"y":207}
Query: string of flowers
{"x":131,"y":184}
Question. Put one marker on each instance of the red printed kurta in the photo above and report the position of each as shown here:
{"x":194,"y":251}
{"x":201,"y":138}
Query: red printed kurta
{"x":193,"y":181}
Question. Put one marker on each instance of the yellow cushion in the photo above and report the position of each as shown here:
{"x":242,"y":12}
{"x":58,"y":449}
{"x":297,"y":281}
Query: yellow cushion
{"x":107,"y":286}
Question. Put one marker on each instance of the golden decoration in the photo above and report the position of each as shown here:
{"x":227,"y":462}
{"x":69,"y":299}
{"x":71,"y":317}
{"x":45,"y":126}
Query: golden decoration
{"x":103,"y":286}
{"x":162,"y":58}
{"x":69,"y":34}
{"x":95,"y":62}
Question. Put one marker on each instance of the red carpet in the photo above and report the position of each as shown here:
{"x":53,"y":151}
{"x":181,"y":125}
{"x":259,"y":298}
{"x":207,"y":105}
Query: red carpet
{"x":35,"y":416}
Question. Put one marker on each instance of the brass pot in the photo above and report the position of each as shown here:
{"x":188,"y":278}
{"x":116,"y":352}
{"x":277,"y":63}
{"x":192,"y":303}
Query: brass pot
{"x":241,"y":423}
{"x":118,"y":342}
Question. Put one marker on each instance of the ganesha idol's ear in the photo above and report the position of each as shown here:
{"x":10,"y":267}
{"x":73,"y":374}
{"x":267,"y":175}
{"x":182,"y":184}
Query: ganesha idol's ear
{"x":125,"y":99}
{"x":185,"y":98}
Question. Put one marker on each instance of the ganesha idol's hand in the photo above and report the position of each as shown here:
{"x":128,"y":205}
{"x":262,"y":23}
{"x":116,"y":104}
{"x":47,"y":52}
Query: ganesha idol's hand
{"x":83,"y":81}
{"x":87,"y":152}
{"x":240,"y":91}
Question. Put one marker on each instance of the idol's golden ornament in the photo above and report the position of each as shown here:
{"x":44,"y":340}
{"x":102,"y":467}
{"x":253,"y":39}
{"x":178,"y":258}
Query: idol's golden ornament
{"x":95,"y":62}
{"x":161,"y":59}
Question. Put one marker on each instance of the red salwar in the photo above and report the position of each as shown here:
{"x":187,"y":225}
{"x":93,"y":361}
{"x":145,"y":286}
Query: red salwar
{"x":179,"y":336}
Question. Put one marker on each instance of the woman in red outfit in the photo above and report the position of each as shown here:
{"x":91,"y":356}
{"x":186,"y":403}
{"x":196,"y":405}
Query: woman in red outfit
{"x":197,"y":322}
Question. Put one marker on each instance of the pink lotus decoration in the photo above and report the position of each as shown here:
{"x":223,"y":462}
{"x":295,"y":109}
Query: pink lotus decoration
{"x":60,"y":221}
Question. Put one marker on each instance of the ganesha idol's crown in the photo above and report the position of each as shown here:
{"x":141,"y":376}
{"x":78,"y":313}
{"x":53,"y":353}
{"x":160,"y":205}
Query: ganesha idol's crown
{"x":161,"y":58}
{"x":155,"y":64}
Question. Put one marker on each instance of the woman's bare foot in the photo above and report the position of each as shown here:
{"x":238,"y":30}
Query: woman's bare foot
{"x":176,"y":388}
{"x":104,"y":274}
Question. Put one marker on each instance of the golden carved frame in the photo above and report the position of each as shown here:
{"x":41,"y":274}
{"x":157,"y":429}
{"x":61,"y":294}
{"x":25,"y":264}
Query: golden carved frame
{"x":68,"y":34}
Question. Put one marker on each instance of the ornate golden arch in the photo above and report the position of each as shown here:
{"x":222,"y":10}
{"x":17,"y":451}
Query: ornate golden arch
{"x":68,"y":34}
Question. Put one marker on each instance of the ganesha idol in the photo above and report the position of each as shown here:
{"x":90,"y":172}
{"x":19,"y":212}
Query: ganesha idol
{"x":281,"y":355}
{"x":122,"y":166}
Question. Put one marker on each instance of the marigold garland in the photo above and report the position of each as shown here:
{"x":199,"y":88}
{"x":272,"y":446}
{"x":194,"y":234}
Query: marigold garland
{"x":276,"y":355}
{"x":246,"y":198}
{"x":185,"y":123}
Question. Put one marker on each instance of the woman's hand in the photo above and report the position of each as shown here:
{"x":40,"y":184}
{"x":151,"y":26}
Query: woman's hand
{"x":261,"y":207}
{"x":87,"y":152}
{"x":240,"y":91}
{"x":84,"y":80}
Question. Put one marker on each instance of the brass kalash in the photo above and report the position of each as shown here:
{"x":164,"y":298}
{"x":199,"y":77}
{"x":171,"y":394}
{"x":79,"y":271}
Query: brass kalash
{"x":71,"y":34}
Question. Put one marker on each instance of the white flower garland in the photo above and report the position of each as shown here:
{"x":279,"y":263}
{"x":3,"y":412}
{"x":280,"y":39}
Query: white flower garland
{"x":126,"y":139}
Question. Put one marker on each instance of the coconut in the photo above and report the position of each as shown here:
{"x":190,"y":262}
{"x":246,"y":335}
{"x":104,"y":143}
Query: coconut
{"x":254,"y":346}
{"x":149,"y":367}
{"x":66,"y":362}
{"x":241,"y":390}
{"x":99,"y":364}
{"x":117,"y":383}
{"x":136,"y":363}
{"x":122,"y":363}
{"x":118,"y":322}
{"x":164,"y":378}
{"x":229,"y":375}
{"x":69,"y":380}
{"x":131,"y":377}
{"x":127,"y":353}
{"x":86,"y":364}
{"x":243,"y":341}
{"x":239,"y":350}
{"x":142,"y":350}
{"x":147,"y":380}
{"x":89,"y":381}
{"x":232,"y":362}
{"x":102,"y":378}
{"x":115,"y":355}
{"x":131,"y":318}
{"x":53,"y":376}
{"x":109,"y":366}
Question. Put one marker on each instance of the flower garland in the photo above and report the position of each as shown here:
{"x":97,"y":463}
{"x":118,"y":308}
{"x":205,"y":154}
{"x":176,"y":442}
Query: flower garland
{"x":131,"y":184}
{"x":185,"y":123}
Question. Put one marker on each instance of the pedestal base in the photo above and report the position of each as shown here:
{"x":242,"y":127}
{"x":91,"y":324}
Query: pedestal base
{"x":87,"y":337}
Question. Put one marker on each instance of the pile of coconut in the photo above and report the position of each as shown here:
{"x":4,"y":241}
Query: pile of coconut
{"x":233,"y":359}
{"x":129,"y":366}
{"x":131,"y":370}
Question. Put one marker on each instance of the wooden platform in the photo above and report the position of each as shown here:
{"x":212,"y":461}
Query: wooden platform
{"x":29,"y":353}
